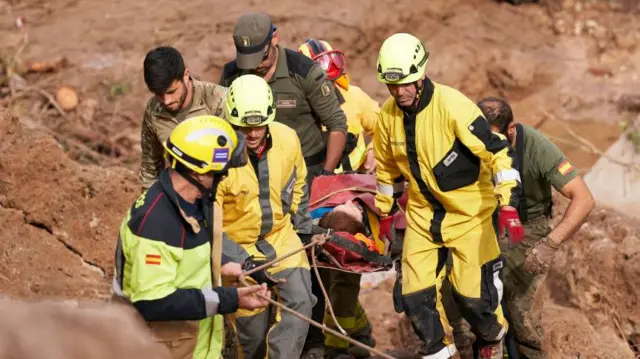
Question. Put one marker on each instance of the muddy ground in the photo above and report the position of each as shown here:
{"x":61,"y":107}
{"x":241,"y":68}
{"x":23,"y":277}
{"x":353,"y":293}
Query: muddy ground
{"x":66,"y":177}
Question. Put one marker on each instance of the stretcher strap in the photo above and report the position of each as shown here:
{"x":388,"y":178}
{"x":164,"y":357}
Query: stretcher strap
{"x":360,"y":250}
{"x":350,"y":189}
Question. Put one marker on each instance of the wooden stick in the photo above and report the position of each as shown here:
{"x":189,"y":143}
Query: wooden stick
{"x":320,"y":326}
{"x":23,"y":92}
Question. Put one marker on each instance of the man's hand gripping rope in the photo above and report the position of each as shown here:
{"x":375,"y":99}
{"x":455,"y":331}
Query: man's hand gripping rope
{"x":318,"y":239}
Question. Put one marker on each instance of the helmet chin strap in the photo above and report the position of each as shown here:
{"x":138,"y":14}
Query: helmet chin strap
{"x":207,"y":193}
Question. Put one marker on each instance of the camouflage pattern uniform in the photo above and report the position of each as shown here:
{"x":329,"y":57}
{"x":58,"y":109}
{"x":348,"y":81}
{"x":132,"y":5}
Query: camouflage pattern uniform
{"x":157,"y":124}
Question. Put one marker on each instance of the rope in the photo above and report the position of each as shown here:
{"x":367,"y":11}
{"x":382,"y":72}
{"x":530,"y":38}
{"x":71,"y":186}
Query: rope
{"x":320,"y":326}
{"x":327,"y":300}
{"x":317,"y":239}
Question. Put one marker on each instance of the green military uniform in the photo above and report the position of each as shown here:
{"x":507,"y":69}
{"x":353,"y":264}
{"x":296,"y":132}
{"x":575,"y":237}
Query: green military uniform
{"x":344,"y":289}
{"x":157,"y":124}
{"x":305,"y":100}
{"x":542,"y":165}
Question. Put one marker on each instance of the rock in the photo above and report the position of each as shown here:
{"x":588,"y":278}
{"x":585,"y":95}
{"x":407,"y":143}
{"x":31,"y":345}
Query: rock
{"x":67,"y":98}
{"x":614,"y":185}
{"x":625,"y":40}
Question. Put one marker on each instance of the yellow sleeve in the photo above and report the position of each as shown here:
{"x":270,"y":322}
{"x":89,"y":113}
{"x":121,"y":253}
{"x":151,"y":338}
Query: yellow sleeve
{"x":493,"y":149}
{"x":301,"y":181}
{"x":370,"y":110}
{"x":154,"y":267}
{"x":387,"y":170}
{"x":221,"y":191}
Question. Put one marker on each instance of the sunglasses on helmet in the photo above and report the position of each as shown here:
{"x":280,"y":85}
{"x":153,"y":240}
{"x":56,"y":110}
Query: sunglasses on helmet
{"x":396,"y":74}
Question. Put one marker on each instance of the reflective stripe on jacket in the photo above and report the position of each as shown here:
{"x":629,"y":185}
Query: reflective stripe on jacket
{"x":260,"y":202}
{"x":163,"y":269}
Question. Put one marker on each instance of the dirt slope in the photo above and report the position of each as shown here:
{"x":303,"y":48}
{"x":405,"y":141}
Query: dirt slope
{"x":59,"y":219}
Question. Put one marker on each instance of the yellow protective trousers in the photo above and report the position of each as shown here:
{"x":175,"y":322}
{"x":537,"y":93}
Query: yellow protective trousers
{"x":476,"y":279}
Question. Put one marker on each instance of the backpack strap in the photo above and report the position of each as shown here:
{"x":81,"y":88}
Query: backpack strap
{"x":522,"y":204}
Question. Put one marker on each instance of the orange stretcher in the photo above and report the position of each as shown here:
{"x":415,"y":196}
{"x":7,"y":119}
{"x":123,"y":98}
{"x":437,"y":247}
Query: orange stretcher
{"x":357,"y":253}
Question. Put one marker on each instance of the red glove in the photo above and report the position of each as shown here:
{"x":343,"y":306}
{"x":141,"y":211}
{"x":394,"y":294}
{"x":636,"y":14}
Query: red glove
{"x":387,"y":229}
{"x":510,"y":220}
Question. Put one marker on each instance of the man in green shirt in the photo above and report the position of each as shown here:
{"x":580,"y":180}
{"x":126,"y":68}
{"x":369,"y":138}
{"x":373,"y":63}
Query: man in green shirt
{"x":176,"y":97}
{"x":305,"y":97}
{"x":541,"y":165}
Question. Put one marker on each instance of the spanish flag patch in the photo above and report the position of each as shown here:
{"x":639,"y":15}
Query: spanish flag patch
{"x":565,"y":167}
{"x":153,"y":259}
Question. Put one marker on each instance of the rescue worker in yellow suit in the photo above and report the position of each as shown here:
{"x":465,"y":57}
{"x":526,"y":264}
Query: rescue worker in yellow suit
{"x":260,"y":201}
{"x":438,"y":139}
{"x":362,"y":112}
{"x":164,"y":264}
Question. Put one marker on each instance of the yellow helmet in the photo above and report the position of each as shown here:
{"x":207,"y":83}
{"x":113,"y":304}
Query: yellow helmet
{"x":402,"y":59}
{"x":250,"y":102}
{"x":206,"y":143}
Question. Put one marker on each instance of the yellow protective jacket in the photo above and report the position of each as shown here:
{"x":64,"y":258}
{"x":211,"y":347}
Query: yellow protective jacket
{"x":260,"y":199}
{"x":362,"y":113}
{"x":446,"y":149}
{"x":163,"y":268}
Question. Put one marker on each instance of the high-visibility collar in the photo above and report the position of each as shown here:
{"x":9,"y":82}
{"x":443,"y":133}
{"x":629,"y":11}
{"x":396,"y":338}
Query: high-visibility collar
{"x":343,"y":81}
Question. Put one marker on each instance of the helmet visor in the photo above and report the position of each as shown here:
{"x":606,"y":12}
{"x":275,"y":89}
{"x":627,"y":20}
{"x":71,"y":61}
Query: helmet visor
{"x":254,"y":120}
{"x":393,"y":75}
{"x":332,"y":62}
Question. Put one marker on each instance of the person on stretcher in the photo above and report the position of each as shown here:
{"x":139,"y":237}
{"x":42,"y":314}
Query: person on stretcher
{"x":344,"y":204}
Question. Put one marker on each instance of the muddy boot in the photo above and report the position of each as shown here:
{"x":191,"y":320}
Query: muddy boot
{"x":313,"y":353}
{"x":494,"y":350}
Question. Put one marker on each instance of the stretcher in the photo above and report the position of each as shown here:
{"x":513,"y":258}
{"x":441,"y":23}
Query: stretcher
{"x":344,"y":251}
